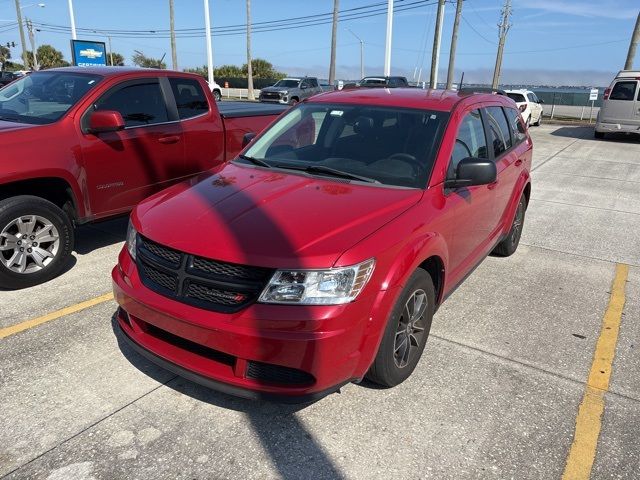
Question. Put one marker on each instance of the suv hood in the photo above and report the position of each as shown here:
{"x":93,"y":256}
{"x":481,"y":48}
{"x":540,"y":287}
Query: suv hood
{"x":254,"y":216}
{"x":278,"y":89}
{"x":7,"y":126}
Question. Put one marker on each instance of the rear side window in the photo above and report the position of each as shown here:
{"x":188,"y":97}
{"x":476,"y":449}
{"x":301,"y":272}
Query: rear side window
{"x":531,"y":97}
{"x":516,"y":97}
{"x":190,"y":99}
{"x":623,"y":91}
{"x":470,"y":141}
{"x":139,"y":104}
{"x":518,"y":131}
{"x":499,"y":131}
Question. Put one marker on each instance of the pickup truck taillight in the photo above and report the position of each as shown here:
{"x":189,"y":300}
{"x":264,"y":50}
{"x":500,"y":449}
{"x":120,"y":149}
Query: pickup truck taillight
{"x":607,"y":91}
{"x":522,"y":107}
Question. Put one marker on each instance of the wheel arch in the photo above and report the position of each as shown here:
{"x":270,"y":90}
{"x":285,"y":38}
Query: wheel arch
{"x":56,"y":190}
{"x":434,"y":266}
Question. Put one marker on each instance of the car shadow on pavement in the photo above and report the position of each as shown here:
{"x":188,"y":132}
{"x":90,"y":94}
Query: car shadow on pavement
{"x":98,"y":235}
{"x":586,"y":133}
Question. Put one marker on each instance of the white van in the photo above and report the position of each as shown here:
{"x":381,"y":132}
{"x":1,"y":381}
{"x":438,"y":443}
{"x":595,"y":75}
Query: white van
{"x":620,"y":111}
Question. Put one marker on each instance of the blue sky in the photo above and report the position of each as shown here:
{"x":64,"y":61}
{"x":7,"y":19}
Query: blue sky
{"x":550,"y":42}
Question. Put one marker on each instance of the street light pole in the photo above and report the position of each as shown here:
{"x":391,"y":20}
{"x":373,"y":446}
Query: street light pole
{"x":207,"y":27}
{"x":21,"y":28}
{"x":250,"y":95}
{"x":361,"y":53}
{"x":73,"y":21}
{"x":387,"y":47}
{"x":174,"y":53}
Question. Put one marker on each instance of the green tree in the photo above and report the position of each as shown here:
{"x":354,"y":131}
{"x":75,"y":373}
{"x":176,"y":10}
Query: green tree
{"x":5,"y":55}
{"x":262,"y":69}
{"x":229,"y":71}
{"x":141,"y":60}
{"x":118,"y":59}
{"x":48,"y":57}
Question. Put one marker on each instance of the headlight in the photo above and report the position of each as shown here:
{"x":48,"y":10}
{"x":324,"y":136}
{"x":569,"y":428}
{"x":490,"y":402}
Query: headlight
{"x":132,"y":236}
{"x":284,"y":92}
{"x":318,"y":287}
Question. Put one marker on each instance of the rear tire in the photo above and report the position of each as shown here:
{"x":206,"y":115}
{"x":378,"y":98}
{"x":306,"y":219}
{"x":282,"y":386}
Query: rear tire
{"x":217,"y":96}
{"x":36,"y":241}
{"x":539,"y":122}
{"x":598,"y":135}
{"x":406,"y":332}
{"x":509,"y":245}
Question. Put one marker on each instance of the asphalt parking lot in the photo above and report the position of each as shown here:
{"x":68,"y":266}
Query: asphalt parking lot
{"x":496,"y":395}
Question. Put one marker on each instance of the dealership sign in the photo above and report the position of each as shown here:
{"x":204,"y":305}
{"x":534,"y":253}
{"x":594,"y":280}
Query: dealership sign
{"x":86,"y":53}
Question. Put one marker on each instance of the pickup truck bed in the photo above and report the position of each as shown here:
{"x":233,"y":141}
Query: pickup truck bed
{"x":237,"y":109}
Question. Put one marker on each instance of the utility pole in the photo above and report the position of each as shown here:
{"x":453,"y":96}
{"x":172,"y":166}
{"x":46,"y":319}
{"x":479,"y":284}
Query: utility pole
{"x":387,"y":46}
{"x":33,"y":45}
{"x":334,"y":35}
{"x":174,"y":53}
{"x":207,"y":27}
{"x":110,"y":50}
{"x":361,"y":53}
{"x":635,"y":39}
{"x":22,"y":39}
{"x":72,"y":18}
{"x":454,"y":42}
{"x":250,"y":95}
{"x":437,"y":36}
{"x":503,"y":29}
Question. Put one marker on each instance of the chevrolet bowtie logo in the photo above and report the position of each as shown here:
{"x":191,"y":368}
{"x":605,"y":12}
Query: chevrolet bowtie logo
{"x":90,"y":53}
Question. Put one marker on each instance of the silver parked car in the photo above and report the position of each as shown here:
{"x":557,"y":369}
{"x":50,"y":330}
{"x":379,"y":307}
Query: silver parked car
{"x":620,"y":111}
{"x":290,"y":90}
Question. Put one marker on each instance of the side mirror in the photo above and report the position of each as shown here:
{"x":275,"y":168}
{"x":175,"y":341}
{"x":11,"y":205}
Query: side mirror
{"x":103,"y":121}
{"x":246,"y":140}
{"x":540,"y":101}
{"x":473,"y":171}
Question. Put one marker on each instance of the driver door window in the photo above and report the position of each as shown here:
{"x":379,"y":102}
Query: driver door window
{"x":139,"y":104}
{"x":470,"y":142}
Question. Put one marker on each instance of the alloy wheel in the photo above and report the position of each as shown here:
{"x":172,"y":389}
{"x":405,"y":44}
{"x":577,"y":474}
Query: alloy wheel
{"x":411,"y":329}
{"x":28,"y":244}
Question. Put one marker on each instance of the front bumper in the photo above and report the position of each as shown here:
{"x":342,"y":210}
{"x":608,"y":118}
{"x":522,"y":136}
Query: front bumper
{"x":281,"y":100}
{"x":276,"y":352}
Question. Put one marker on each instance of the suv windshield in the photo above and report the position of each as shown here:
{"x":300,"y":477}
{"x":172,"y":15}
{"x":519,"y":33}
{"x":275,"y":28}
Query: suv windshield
{"x":516,"y":97}
{"x":43,"y":97}
{"x":392,"y":146}
{"x":287,"y":83}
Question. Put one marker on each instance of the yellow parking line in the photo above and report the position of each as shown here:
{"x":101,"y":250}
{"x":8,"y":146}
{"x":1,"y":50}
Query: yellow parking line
{"x":589,"y":420}
{"x":34,"y":322}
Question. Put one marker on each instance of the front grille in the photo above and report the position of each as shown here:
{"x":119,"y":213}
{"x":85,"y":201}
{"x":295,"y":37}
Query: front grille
{"x":201,"y":282}
{"x":269,"y":373}
{"x":271,"y":95}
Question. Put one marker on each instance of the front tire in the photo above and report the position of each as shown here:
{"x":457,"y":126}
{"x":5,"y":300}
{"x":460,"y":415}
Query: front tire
{"x":598,"y":135}
{"x":293,"y":101}
{"x":36,"y":241}
{"x":406,"y":332}
{"x":509,"y":245}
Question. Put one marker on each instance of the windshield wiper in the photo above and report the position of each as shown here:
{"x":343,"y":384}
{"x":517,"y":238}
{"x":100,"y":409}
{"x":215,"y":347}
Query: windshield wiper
{"x":329,"y":171}
{"x":255,"y":161}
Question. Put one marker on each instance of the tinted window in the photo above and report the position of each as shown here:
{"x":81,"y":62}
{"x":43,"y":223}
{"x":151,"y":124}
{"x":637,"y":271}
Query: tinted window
{"x":313,"y":82}
{"x":470,"y":141}
{"x":516,"y":97}
{"x":395,"y":146}
{"x":518,"y":131}
{"x":623,"y":91}
{"x":139,"y":104}
{"x":531,"y":98}
{"x":190,"y":98}
{"x":498,"y":130}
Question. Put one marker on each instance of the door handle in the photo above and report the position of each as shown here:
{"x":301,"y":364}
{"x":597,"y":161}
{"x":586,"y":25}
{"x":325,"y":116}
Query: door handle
{"x":169,"y":139}
{"x":518,"y":162}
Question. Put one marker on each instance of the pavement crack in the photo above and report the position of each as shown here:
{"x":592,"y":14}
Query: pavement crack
{"x":585,"y":206}
{"x":631,"y":264}
{"x":554,"y":155}
{"x":90,"y":426}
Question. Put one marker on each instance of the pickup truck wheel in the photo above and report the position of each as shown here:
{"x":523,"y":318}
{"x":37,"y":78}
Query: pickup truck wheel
{"x":217,"y":96}
{"x":293,"y":101}
{"x":406,"y":333}
{"x":36,"y":240}
{"x":509,"y":245}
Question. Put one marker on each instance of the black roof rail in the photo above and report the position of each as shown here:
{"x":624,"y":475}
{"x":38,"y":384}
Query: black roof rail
{"x":497,"y":91}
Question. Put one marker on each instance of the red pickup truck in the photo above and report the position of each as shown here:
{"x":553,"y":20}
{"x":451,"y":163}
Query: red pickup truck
{"x":83,"y":144}
{"x":320,"y":255}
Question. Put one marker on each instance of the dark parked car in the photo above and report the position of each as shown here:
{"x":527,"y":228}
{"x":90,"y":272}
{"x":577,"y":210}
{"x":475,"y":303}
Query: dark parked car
{"x":7,"y":77}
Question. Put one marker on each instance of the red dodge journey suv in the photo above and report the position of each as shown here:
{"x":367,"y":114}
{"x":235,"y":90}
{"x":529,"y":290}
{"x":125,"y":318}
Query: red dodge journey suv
{"x":319,"y":255}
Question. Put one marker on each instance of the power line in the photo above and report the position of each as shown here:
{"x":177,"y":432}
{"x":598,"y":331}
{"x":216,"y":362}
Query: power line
{"x":477,"y":32}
